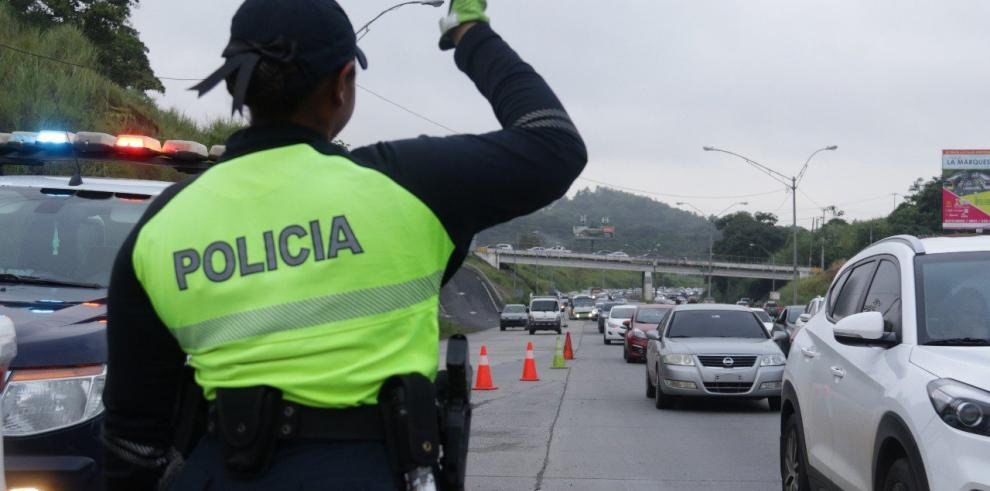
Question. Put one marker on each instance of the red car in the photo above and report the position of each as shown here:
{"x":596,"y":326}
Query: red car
{"x":646,"y":318}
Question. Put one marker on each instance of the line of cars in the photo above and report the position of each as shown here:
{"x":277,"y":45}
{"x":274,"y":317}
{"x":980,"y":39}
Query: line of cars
{"x":886,"y":386}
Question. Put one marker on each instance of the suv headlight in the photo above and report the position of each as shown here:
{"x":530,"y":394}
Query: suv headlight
{"x":678,"y":359}
{"x":772,"y":360}
{"x":36,"y":401}
{"x":637,"y":333}
{"x":961,"y":406}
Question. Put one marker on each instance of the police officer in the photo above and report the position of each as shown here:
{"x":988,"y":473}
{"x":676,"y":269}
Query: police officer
{"x":295,"y":277}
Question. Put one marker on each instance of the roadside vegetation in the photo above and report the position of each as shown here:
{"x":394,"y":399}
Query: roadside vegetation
{"x":448,"y":328}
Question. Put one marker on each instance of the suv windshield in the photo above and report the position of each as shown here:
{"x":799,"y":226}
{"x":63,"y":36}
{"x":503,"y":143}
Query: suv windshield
{"x":544,"y":305}
{"x":514,"y":309}
{"x":64,"y":235}
{"x":953,"y":299}
{"x":715,"y":324}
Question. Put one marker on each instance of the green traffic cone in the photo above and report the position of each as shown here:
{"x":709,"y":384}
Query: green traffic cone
{"x":558,"y":356}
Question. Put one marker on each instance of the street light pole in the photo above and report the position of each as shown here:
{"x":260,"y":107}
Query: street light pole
{"x":364,"y":30}
{"x":792,"y":184}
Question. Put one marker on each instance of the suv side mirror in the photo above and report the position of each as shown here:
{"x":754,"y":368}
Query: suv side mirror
{"x":864,"y":326}
{"x":654,"y":335}
{"x":779,"y":336}
{"x":804,"y":317}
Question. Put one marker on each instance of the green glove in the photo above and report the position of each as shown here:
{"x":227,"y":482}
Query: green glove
{"x":461,"y":11}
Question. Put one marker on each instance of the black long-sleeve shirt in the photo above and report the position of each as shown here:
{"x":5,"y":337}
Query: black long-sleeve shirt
{"x":470,"y":182}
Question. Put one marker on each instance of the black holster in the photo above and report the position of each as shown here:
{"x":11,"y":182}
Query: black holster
{"x":409,"y":410}
{"x":245,"y":420}
{"x":454,"y":398}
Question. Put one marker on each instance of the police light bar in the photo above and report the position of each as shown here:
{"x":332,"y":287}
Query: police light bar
{"x":52,"y":137}
{"x":184,"y":150}
{"x":217,"y":151}
{"x":138,"y":144}
{"x":92,"y":142}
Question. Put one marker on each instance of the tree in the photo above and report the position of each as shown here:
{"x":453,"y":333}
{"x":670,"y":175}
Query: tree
{"x":123,"y":58}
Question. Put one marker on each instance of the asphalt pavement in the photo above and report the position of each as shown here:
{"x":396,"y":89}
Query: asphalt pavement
{"x":591,"y":427}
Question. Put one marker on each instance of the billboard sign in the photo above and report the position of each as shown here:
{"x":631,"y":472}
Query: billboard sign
{"x":965,"y":189}
{"x":603,"y":232}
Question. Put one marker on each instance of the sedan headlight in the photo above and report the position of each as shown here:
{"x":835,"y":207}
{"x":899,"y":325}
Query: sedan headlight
{"x":36,"y":401}
{"x":678,"y":359}
{"x":637,"y":333}
{"x":773,"y":360}
{"x":961,"y":406}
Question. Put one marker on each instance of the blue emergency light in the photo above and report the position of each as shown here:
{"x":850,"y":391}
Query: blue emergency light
{"x":54,"y":137}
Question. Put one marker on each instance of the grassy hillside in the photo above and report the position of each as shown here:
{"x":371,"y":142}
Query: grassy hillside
{"x":42,"y":94}
{"x":537,"y":279}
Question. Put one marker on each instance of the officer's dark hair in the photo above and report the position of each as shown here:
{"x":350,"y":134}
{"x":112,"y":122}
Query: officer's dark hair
{"x":275,"y":91}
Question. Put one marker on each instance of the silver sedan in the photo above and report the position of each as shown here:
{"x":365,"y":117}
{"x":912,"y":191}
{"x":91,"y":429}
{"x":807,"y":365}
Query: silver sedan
{"x":717,"y":351}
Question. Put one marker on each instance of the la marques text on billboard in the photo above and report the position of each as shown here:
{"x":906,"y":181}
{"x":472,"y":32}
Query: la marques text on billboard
{"x":966,"y":189}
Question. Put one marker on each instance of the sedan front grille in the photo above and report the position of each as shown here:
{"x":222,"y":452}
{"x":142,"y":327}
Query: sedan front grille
{"x":728,"y":387}
{"x":727,"y":361}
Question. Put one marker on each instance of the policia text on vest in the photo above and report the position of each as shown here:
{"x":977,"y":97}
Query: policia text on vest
{"x":291,"y":248}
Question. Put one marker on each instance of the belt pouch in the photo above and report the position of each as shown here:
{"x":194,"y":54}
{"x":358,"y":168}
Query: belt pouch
{"x":246,"y":420}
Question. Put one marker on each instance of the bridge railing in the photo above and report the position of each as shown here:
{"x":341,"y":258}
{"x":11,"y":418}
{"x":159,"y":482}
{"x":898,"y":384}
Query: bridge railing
{"x":720,"y":261}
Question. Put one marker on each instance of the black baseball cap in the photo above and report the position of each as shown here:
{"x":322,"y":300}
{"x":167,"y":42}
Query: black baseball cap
{"x":314,"y":35}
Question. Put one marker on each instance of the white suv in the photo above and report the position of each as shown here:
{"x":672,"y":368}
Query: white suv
{"x":889,"y":388}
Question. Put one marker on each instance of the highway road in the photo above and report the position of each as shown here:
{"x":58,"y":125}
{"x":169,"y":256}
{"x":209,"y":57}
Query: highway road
{"x":467,"y":300}
{"x":590,"y":426}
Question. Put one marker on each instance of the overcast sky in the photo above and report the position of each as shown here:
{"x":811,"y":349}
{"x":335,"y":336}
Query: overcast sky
{"x":650,"y":82}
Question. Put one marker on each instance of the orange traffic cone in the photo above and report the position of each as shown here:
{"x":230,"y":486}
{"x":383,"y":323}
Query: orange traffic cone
{"x":484,"y":379}
{"x":529,"y":366}
{"x":568,"y":350}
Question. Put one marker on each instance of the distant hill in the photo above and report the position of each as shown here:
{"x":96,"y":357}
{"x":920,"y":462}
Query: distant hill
{"x":641,"y":224}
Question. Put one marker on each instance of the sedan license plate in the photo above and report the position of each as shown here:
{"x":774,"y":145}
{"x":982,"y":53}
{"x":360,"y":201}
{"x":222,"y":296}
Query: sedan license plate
{"x":729,"y":377}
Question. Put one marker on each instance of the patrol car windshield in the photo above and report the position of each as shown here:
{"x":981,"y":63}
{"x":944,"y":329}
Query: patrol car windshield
{"x":715,"y":324}
{"x":64,"y":235}
{"x":953,"y":293}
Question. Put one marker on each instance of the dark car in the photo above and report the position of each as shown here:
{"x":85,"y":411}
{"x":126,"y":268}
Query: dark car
{"x":787,"y":322}
{"x":57,"y":248}
{"x":646,"y":319}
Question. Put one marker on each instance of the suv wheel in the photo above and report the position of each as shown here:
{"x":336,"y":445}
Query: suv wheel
{"x":601,"y":328}
{"x":900,"y":477}
{"x":651,"y":390}
{"x":793,"y":462}
{"x":605,"y":340}
{"x":774,"y":403}
{"x":501,"y":328}
{"x":532,"y":331}
{"x":558,"y":328}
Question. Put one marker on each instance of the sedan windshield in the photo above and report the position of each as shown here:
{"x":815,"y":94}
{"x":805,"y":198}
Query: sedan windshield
{"x":514,"y":309}
{"x":64,"y":235}
{"x":651,"y":316}
{"x":794,"y":312}
{"x":622,"y":312}
{"x":715,"y":324}
{"x":955,"y":308}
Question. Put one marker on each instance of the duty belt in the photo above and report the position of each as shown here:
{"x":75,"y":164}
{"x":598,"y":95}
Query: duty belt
{"x":298,"y":422}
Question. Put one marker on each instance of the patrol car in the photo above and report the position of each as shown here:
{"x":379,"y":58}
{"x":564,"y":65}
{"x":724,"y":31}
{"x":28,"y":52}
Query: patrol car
{"x":60,"y":237}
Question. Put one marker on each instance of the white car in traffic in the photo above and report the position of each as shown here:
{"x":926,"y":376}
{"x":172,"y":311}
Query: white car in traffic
{"x":617,"y":323}
{"x":889,"y":386}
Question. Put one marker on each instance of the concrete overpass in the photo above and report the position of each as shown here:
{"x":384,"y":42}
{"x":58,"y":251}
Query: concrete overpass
{"x":648,"y":266}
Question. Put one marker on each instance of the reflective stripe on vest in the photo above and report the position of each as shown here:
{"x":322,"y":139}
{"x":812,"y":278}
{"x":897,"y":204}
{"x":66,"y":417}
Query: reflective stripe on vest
{"x":298,"y":270}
